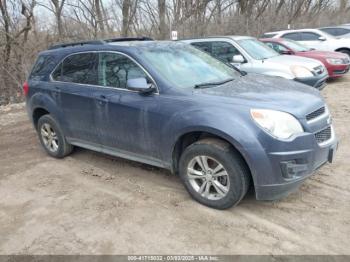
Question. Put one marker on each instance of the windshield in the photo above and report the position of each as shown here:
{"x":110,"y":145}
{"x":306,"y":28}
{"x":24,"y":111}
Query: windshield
{"x":295,"y":46}
{"x":257,"y":49}
{"x":325,"y":34}
{"x":185,"y":66}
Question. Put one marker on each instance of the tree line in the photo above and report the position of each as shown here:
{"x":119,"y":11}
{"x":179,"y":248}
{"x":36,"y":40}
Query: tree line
{"x":28,"y":26}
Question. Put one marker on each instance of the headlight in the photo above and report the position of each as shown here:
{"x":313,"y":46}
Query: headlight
{"x":335,"y":61}
{"x":278,"y":124}
{"x":300,"y":71}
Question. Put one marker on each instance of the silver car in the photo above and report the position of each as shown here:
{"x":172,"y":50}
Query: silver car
{"x":252,"y":56}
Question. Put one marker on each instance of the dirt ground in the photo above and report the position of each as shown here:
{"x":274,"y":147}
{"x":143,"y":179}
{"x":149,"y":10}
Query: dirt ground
{"x":90,"y":203}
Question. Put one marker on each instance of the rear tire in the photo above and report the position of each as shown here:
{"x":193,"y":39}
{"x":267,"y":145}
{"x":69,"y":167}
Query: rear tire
{"x":52,"y":138}
{"x":215,"y":186}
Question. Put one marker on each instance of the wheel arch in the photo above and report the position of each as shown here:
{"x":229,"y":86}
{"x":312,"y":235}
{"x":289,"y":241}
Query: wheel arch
{"x":342,"y":48}
{"x":191,"y":137}
{"x":42,"y":104}
{"x":37,"y":113}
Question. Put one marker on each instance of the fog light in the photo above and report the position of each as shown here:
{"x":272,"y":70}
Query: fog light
{"x":290,"y":169}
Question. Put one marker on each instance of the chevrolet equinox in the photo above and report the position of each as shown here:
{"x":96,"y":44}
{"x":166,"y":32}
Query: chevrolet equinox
{"x":171,"y":105}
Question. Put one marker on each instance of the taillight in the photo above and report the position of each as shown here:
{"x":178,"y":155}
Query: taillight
{"x":25,"y":88}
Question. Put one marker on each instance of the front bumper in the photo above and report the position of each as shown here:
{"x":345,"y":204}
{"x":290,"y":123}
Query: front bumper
{"x":335,"y":71}
{"x":296,"y":167}
{"x":319,"y":81}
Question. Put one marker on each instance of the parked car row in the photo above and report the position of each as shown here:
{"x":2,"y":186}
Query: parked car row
{"x":171,"y":105}
{"x":314,"y":38}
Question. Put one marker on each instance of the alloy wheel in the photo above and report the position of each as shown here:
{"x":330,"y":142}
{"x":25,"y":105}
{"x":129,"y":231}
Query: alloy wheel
{"x":49,"y":137}
{"x":208,"y":177}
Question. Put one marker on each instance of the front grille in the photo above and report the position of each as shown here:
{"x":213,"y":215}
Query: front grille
{"x":318,"y":70}
{"x":323,"y":135}
{"x":316,"y":113}
{"x":340,"y":72}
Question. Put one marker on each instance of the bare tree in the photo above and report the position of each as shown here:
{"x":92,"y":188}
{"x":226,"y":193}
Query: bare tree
{"x":129,"y":8}
{"x":100,"y":21}
{"x":6,"y":18}
{"x":57,"y":10}
{"x":162,"y":25}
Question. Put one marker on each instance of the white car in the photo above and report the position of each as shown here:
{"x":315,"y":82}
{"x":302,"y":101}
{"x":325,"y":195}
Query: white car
{"x":314,"y":38}
{"x":337,"y":31}
{"x":252,"y":56}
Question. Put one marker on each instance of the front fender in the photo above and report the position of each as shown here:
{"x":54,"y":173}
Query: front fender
{"x":236,"y":128}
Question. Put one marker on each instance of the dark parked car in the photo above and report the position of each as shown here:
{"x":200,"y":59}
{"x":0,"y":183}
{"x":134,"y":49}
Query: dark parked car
{"x":171,"y":105}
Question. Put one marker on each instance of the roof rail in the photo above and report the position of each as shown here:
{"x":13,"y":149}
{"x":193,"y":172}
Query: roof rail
{"x":122,"y":39}
{"x":101,"y":42}
{"x":92,"y":42}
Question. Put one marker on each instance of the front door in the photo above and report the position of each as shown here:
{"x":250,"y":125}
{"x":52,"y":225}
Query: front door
{"x":312,"y":40}
{"x":125,"y":116}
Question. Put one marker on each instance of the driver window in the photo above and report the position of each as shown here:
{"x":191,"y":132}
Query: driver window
{"x":277,"y":47}
{"x":308,"y":36}
{"x":224,"y":51}
{"x":116,"y":69}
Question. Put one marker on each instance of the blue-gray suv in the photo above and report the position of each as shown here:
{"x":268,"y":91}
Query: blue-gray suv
{"x":173,"y":106}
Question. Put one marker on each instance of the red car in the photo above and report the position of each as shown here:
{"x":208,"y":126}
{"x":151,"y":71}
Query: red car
{"x":336,"y":63}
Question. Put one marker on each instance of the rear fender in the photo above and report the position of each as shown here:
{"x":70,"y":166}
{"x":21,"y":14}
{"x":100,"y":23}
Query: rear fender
{"x":45,"y":101}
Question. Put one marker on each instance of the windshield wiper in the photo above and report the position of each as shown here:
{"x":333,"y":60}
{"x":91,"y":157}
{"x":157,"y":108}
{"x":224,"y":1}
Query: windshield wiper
{"x":208,"y":84}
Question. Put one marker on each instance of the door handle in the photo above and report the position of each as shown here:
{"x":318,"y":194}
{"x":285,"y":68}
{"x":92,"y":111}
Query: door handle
{"x":56,"y":90}
{"x":102,"y":99}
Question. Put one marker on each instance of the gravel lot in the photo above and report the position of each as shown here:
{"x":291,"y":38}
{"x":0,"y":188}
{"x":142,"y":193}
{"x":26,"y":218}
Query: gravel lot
{"x":90,"y":203}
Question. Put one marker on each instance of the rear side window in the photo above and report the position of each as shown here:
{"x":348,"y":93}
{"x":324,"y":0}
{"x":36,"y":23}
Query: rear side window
{"x":42,"y":67}
{"x":78,"y":68}
{"x":292,"y":36}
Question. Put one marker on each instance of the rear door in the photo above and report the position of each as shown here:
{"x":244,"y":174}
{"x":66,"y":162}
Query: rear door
{"x":74,"y":86}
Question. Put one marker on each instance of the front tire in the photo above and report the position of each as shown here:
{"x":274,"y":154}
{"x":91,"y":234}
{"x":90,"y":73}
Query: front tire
{"x":214,"y":174}
{"x":345,"y":51}
{"x":52,"y":138}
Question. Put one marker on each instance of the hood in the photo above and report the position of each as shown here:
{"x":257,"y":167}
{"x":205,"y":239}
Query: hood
{"x":342,"y":41}
{"x":290,"y":60}
{"x":259,"y":91}
{"x":323,"y":54}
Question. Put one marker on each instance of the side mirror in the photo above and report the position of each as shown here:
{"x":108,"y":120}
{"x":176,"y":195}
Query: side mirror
{"x":140,"y":85}
{"x":322,"y":38}
{"x":238,"y":59}
{"x":286,"y":52}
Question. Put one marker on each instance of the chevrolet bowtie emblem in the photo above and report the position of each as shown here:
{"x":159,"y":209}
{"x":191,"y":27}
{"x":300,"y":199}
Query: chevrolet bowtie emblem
{"x":329,"y":121}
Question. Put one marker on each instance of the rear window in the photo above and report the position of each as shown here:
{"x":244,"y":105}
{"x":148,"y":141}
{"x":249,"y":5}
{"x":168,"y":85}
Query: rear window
{"x":42,"y":67}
